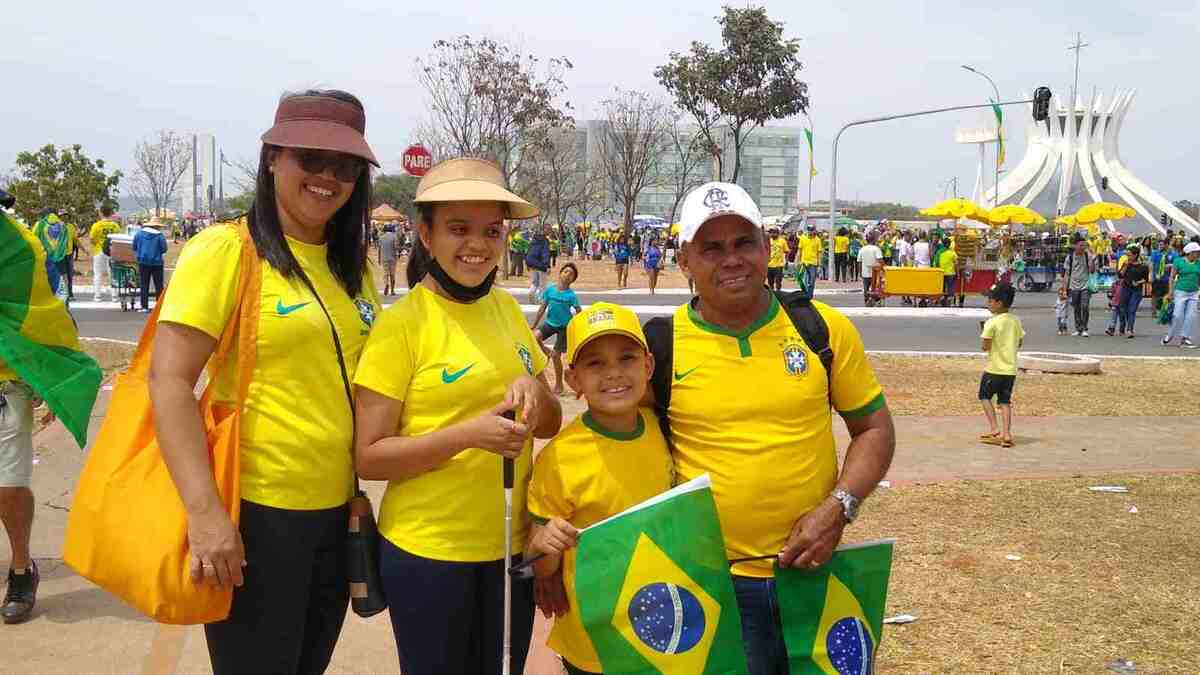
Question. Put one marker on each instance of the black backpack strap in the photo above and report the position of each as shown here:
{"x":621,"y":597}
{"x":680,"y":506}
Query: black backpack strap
{"x":812,"y":329}
{"x":660,"y":336}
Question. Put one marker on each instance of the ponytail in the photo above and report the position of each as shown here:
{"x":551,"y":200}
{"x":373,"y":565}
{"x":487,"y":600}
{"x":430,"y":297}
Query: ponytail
{"x":418,"y":260}
{"x":418,"y":264}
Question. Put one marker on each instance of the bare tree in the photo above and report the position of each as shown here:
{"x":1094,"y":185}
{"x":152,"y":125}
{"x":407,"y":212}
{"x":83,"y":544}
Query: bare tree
{"x":687,"y":153}
{"x":555,"y":174}
{"x":159,"y":164}
{"x":487,"y":99}
{"x":634,"y":131}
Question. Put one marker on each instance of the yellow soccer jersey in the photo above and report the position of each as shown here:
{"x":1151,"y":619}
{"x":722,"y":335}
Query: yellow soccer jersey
{"x":841,"y":244}
{"x":449,"y":362}
{"x":778,"y":252}
{"x":751,"y":409}
{"x":100,"y":231}
{"x":810,"y":250}
{"x":587,"y":474}
{"x":297,"y":429}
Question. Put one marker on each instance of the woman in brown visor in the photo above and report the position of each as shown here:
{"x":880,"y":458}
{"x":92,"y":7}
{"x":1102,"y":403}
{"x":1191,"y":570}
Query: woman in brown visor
{"x":285,"y":559}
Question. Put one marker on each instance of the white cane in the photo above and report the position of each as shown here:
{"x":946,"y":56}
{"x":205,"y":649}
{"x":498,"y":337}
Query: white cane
{"x":509,"y":471}
{"x":508,"y":492}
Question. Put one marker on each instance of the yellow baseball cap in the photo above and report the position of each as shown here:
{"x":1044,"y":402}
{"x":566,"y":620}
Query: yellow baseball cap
{"x":602,"y":318}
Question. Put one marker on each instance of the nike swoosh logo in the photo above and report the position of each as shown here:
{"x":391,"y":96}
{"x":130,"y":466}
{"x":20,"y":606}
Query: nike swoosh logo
{"x":450,"y":378}
{"x":679,"y":376}
{"x":284,"y":310}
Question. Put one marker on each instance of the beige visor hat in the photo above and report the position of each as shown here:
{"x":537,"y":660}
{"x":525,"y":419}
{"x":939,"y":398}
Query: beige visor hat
{"x":471,"y":180}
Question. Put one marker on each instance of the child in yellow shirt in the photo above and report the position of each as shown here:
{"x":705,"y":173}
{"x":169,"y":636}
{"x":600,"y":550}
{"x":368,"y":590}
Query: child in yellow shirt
{"x":607,"y":460}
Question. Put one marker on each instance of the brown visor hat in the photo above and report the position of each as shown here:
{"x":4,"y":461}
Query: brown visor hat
{"x":320,"y":123}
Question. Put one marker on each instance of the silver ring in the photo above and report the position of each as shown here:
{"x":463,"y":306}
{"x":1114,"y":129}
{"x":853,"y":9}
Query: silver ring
{"x":207,"y":565}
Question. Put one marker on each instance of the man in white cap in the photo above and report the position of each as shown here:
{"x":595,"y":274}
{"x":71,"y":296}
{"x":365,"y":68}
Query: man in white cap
{"x":769,"y":449}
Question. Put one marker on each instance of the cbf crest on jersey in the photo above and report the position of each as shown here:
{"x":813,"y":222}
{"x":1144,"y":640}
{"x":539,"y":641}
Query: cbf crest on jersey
{"x":795,"y":358}
{"x":366,"y":312}
{"x":526,"y":358}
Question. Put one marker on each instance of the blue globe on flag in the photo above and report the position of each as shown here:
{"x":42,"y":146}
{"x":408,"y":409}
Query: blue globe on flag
{"x":849,"y":647}
{"x":667,"y":618}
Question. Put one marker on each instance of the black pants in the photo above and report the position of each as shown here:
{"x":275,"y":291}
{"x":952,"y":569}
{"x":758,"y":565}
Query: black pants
{"x":287,"y":617}
{"x":775,"y":278}
{"x":840,"y":268}
{"x":1081,"y":301}
{"x":150,"y":273}
{"x":448,"y":617}
{"x":66,"y":271}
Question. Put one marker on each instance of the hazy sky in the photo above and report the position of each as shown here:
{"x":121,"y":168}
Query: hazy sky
{"x":107,"y":74}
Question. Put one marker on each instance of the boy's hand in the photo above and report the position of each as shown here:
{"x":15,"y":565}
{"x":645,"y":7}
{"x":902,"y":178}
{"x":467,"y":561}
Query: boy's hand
{"x":555,"y":537}
{"x":550,"y":594}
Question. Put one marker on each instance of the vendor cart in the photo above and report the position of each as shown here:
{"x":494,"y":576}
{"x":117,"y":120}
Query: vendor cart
{"x":123,"y":271}
{"x":922,"y":283}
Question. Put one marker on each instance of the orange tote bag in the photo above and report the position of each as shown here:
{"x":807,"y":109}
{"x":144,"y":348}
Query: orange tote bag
{"x":127,"y":529}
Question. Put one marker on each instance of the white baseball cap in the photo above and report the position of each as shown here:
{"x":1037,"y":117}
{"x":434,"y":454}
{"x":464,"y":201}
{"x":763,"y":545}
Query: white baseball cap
{"x":713,"y":200}
{"x":1192,"y":247}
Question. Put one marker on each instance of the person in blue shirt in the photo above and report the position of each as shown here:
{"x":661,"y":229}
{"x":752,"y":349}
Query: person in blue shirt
{"x":149,"y":246}
{"x":559,"y":304}
{"x":621,"y":258}
{"x":652,"y":261}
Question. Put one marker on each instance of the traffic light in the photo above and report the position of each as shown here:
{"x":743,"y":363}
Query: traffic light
{"x":1162,"y":218}
{"x":1041,"y":104}
{"x":1104,"y":182}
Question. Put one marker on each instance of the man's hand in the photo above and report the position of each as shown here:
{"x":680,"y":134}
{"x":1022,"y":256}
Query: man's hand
{"x":550,"y":594}
{"x":814,"y":536}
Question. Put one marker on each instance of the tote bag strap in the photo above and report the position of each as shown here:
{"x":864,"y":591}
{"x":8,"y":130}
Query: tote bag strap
{"x":245,"y":317}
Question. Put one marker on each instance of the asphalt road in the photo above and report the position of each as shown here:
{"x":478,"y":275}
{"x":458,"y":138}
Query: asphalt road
{"x":892,"y":327}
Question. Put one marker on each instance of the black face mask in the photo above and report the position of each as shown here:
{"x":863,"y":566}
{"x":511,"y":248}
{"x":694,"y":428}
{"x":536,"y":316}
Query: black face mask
{"x":456,"y":290}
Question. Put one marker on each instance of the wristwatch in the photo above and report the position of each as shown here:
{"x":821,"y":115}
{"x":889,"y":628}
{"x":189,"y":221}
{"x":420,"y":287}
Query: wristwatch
{"x":849,"y":503}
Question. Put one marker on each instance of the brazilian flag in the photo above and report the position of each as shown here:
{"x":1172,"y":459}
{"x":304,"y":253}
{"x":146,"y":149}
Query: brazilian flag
{"x":833,"y":617}
{"x":654,"y":589}
{"x":38,"y":340}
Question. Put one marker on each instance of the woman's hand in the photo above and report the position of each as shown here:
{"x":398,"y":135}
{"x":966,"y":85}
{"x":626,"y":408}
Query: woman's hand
{"x":525,"y":396}
{"x":550,"y":594}
{"x":217,"y":553}
{"x":493,"y":432}
{"x":555,"y":537}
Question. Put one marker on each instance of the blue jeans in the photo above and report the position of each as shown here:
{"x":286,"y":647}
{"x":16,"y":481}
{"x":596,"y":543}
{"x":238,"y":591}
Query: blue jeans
{"x":1184,"y":322}
{"x":810,"y":278}
{"x":1128,"y":307}
{"x":762,"y":631}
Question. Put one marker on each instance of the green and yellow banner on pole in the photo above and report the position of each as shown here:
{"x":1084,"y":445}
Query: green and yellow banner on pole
{"x":812,"y":161}
{"x":999,"y":133}
{"x":654,"y":590}
{"x":833,"y":616}
{"x":38,"y":339}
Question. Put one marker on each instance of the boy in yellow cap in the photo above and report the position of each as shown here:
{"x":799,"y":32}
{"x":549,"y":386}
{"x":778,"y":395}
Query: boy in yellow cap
{"x":608,"y":459}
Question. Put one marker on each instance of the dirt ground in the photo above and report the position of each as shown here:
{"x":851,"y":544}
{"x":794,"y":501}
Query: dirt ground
{"x":1095,"y":582}
{"x":1125,"y":388}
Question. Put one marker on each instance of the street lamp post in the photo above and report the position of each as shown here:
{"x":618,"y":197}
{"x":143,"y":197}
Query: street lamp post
{"x":996,"y":198}
{"x":873,"y":120}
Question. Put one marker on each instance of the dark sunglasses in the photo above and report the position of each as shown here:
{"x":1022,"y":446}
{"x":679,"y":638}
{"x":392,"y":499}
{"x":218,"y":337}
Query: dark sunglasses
{"x":346,"y":168}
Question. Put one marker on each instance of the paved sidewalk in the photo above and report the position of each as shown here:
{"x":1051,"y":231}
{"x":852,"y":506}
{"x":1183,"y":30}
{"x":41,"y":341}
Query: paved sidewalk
{"x":80,"y":629}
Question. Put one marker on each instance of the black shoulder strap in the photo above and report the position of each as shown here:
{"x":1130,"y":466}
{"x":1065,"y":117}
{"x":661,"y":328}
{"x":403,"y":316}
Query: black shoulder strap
{"x":812,"y":329}
{"x":660,"y":336}
{"x":337,"y":346}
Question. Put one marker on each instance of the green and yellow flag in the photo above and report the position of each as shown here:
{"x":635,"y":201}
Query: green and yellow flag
{"x":833,"y":617}
{"x":999,"y":133}
{"x":38,"y":340}
{"x":812,"y":161}
{"x":654,"y":589}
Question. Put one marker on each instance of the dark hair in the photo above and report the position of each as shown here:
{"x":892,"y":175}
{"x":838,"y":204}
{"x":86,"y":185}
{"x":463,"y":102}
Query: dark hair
{"x":418,"y":260}
{"x":1004,"y":293}
{"x":345,"y":235}
{"x":106,"y":211}
{"x":841,"y":232}
{"x":570,"y":266}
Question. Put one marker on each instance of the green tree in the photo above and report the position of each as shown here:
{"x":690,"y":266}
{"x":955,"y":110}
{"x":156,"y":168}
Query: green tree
{"x":397,"y":190}
{"x":65,"y":180}
{"x":753,"y":78}
{"x":240,"y":203}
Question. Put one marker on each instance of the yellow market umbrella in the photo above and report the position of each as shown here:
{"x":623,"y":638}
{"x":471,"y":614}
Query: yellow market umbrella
{"x":981,"y":216}
{"x":1069,"y":221}
{"x":952,"y":208}
{"x":675,"y":229}
{"x":1093,"y":213}
{"x":1014,"y":214}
